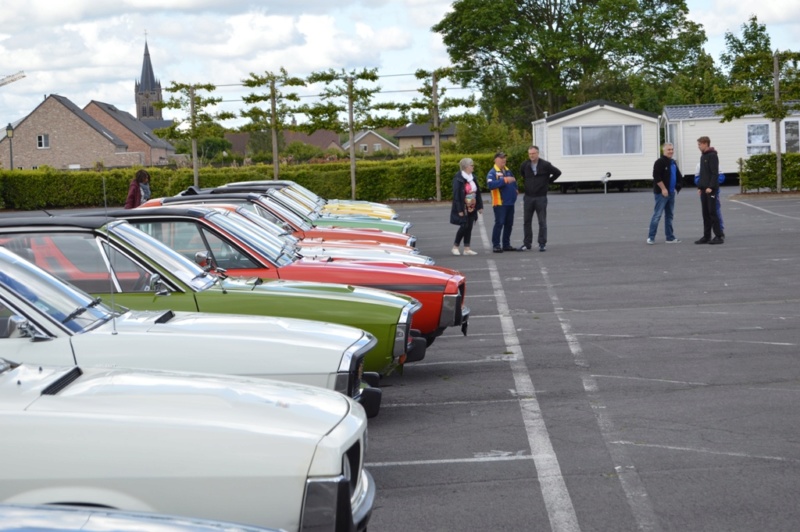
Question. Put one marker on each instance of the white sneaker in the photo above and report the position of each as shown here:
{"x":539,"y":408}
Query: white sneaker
{"x":651,"y":241}
{"x":470,"y":252}
{"x":674,"y":241}
{"x":455,"y":251}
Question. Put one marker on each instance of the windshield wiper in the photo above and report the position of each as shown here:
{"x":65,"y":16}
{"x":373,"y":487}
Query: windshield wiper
{"x":80,"y":310}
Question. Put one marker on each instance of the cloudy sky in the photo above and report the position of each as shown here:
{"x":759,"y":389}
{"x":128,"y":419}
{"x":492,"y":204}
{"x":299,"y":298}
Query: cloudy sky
{"x":92,"y":49}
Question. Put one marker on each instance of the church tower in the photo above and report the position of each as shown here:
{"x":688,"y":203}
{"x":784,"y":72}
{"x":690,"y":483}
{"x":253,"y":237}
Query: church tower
{"x":148,"y":91}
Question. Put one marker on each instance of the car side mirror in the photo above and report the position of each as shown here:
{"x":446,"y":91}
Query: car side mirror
{"x":156,"y":284}
{"x":16,"y":327}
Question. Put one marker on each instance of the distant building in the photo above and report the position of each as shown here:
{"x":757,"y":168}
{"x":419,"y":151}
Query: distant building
{"x":60,"y":134}
{"x":419,"y":137}
{"x":148,"y":91}
{"x":322,"y":139}
{"x":134,"y":133}
{"x":371,"y":143}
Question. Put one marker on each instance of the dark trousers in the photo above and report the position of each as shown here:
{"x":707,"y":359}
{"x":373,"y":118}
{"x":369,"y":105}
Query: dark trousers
{"x":465,"y":232}
{"x":503,"y":223}
{"x":533,"y":205}
{"x":710,"y":220}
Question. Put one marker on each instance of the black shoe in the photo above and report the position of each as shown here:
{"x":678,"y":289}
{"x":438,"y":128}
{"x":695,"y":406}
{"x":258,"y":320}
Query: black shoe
{"x":497,"y":250}
{"x":703,"y":240}
{"x":509,"y":248}
{"x":541,"y":247}
{"x":523,"y":247}
{"x":717,"y":240}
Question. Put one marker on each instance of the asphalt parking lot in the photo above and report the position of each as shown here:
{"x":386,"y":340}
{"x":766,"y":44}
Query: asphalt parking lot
{"x":605,"y":385}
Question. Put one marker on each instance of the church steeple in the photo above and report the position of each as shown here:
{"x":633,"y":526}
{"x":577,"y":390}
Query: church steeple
{"x":148,"y":91}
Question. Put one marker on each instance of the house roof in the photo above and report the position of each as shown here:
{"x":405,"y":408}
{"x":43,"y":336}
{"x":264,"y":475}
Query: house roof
{"x":598,"y":103}
{"x":322,"y":138}
{"x":698,"y":112}
{"x":91,"y":122}
{"x":366,"y":133}
{"x":423,"y":130}
{"x":137,"y":127}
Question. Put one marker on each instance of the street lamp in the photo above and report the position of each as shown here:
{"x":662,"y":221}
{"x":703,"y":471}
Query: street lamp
{"x":10,"y":135}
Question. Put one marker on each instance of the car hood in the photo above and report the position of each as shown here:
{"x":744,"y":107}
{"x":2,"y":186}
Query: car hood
{"x":334,"y":252}
{"x":344,"y":292}
{"x":175,"y":398}
{"x":370,"y":272}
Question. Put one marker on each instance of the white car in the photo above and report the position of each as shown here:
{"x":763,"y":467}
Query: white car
{"x":252,"y":451}
{"x":46,"y":321}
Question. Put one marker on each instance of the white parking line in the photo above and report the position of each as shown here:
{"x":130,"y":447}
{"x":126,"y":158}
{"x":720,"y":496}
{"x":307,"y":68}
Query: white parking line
{"x":632,"y":485}
{"x":765,"y":210}
{"x":558,"y":503}
{"x":451,"y":461}
{"x":706,"y":451}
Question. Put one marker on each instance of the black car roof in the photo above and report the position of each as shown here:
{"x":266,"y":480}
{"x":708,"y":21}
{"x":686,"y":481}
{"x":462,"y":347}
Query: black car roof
{"x":82,"y":221}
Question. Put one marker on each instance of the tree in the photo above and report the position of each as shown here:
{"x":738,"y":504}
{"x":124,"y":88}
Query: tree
{"x":756,"y":75}
{"x":346,"y":106}
{"x":274,"y":118}
{"x":532,"y":57}
{"x":200,"y":122}
{"x":434,"y":108}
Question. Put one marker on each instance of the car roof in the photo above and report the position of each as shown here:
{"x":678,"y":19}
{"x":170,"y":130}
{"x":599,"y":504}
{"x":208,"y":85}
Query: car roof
{"x":82,"y":221}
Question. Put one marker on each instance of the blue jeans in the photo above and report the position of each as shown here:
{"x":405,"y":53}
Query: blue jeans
{"x":665,"y":206}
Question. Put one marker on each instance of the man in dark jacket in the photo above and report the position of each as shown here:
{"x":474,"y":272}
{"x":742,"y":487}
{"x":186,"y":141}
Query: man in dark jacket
{"x":708,"y":188}
{"x":538,"y":174}
{"x":666,"y":184}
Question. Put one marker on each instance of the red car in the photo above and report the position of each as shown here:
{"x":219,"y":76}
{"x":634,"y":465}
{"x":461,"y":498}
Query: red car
{"x":227,"y":244}
{"x":275,"y":212}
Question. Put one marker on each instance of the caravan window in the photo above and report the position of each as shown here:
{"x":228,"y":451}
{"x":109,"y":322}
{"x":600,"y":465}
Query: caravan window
{"x":602,"y":140}
{"x":757,"y":138}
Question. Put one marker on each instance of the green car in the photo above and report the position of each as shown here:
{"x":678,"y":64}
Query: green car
{"x":126,"y":266}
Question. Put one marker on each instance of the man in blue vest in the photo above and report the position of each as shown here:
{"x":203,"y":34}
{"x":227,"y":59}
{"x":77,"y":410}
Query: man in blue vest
{"x":666,"y":184}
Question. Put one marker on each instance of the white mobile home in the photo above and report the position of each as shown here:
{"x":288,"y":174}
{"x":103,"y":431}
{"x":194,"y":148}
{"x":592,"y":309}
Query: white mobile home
{"x":596,"y":138}
{"x":734,"y":140}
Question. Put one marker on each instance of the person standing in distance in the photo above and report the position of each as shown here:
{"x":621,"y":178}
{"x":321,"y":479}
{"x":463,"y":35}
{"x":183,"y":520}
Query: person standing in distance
{"x":708,"y":188}
{"x":666,"y":184}
{"x":138,"y":190}
{"x":467,"y":204}
{"x":503,"y":186}
{"x":537,"y":175}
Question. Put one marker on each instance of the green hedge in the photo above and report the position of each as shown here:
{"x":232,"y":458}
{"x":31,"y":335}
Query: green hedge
{"x":412,"y":178}
{"x":760,"y":171}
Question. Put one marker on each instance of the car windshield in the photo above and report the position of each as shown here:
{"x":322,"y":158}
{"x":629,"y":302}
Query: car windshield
{"x":294,"y":206}
{"x":274,"y":229}
{"x":303,"y":190}
{"x":268,"y":246}
{"x":271,"y":208}
{"x":186,"y":270}
{"x":62,"y":302}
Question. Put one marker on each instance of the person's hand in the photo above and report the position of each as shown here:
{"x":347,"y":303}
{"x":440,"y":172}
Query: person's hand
{"x":461,"y":214}
{"x":708,"y":191}
{"x":480,"y":211}
{"x":665,"y":193}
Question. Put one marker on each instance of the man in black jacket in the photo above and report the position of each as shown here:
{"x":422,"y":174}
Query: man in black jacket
{"x":708,"y":188}
{"x":666,"y":184}
{"x":537,"y":174}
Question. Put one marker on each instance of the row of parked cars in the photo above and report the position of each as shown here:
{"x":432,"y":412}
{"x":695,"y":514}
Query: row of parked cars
{"x":213,"y":355}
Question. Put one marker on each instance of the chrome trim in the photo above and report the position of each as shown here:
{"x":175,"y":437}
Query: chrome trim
{"x":402,"y":337}
{"x":451,"y":303}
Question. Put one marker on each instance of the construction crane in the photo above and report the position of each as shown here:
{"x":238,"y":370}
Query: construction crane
{"x":13,"y":77}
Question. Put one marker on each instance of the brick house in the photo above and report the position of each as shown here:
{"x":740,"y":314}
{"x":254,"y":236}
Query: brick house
{"x":133,"y":132}
{"x":371,"y":143}
{"x":60,"y":134}
{"x":419,"y":137}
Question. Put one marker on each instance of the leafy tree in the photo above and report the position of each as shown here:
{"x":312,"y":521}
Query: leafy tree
{"x":699,"y":83}
{"x":535,"y":56}
{"x":346,"y":106}
{"x":476,"y":134}
{"x":434,"y":108}
{"x":760,"y":81}
{"x":274,"y":118}
{"x":200,"y":122}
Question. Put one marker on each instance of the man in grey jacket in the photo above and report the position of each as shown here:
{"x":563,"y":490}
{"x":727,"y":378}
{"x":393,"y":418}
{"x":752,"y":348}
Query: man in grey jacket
{"x":538,"y":174}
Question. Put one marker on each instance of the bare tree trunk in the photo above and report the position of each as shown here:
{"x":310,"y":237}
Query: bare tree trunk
{"x":275,"y":162}
{"x":776,"y":83}
{"x":436,"y":138}
{"x":195,"y":162}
